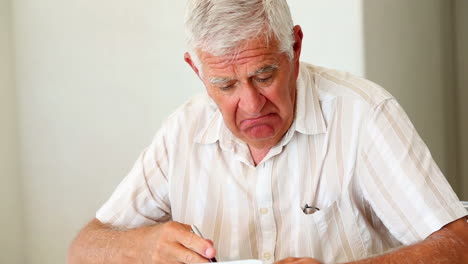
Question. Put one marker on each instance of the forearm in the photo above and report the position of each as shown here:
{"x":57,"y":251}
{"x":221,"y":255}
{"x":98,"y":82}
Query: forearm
{"x":440,"y":248}
{"x":98,"y":243}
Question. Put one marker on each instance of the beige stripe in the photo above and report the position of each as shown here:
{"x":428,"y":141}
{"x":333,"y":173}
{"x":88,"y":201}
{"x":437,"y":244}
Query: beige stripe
{"x":276,"y":205}
{"x":342,"y":234}
{"x":377,"y":246}
{"x":118,"y":214}
{"x":315,"y":107}
{"x":339,"y":140}
{"x":218,"y":221}
{"x":258,"y":226}
{"x":318,"y":252}
{"x":321,"y":150}
{"x":185,"y":190}
{"x":209,"y":214}
{"x":307,"y":179}
{"x":357,"y":237}
{"x":123,"y":213}
{"x":351,"y":85}
{"x":252,"y":231}
{"x":313,"y":146}
{"x":226,"y":235}
{"x":311,"y":169}
{"x":380,"y":186}
{"x":295,"y":185}
{"x":428,"y":179}
{"x":241,"y":204}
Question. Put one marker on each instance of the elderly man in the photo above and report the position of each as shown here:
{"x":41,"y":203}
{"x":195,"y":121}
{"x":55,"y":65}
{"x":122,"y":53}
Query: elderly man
{"x":281,"y":161}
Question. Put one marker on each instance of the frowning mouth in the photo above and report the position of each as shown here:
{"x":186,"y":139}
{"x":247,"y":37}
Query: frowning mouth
{"x":261,"y":120}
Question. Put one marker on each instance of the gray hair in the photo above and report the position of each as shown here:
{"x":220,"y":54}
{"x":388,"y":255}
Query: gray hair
{"x":221,"y":26}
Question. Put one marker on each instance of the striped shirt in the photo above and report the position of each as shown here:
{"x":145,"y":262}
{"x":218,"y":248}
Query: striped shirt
{"x":351,"y":151}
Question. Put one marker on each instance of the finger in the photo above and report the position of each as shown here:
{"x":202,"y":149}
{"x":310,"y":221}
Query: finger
{"x":191,"y":241}
{"x":210,"y":241}
{"x":286,"y":261}
{"x":307,"y":261}
{"x":185,"y":255}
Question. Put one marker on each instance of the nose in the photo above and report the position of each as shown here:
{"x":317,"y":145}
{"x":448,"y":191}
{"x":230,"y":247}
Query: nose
{"x":251,"y":101}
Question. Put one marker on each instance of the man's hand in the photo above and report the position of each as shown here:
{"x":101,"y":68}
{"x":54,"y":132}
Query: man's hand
{"x":173,"y":242}
{"x":297,"y":261}
{"x":168,"y":243}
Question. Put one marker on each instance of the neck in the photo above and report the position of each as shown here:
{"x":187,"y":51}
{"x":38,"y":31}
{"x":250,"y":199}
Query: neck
{"x":258,"y":154}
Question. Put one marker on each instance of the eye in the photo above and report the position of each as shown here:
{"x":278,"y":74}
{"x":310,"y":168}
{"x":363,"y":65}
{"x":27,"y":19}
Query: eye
{"x":227,"y":87}
{"x":263,"y":79}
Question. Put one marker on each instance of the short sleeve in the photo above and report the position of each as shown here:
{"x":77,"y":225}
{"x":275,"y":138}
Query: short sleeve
{"x":399,"y":178}
{"x":142,"y":196}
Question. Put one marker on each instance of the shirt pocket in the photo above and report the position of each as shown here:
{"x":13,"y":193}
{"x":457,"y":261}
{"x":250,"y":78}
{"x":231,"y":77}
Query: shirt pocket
{"x":332,"y":234}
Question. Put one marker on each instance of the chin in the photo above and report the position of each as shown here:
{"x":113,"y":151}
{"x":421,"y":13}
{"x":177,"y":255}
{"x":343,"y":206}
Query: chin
{"x":261,"y":142}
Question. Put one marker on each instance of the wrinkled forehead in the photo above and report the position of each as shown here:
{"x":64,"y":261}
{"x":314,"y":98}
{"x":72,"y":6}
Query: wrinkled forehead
{"x":249,"y":63}
{"x":262,"y":40}
{"x":254,"y":50}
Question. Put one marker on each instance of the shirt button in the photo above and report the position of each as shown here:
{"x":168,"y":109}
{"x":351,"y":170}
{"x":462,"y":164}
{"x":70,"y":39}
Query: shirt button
{"x":267,"y":256}
{"x":264,"y":211}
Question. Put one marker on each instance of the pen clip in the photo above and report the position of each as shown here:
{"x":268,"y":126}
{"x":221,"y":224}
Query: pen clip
{"x":309,"y":209}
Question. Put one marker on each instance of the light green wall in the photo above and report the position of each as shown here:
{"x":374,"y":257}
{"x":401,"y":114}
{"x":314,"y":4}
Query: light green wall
{"x":11,"y":236}
{"x":409,"y":51}
{"x":461,"y":29}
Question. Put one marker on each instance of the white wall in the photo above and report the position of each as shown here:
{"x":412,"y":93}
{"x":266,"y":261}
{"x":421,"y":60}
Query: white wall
{"x":333,"y":33}
{"x":96,"y":78}
{"x":409,"y":53}
{"x":11,"y":236}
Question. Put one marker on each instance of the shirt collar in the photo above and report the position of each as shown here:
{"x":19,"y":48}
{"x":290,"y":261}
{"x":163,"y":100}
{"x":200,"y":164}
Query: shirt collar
{"x":308,"y":119}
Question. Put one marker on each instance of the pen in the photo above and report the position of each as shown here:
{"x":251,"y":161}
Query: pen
{"x":197,"y":232}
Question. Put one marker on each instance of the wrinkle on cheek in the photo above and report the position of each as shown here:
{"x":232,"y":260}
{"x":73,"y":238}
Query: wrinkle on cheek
{"x":236,"y":114}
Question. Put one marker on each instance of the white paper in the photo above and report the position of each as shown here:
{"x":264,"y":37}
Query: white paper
{"x":244,"y":261}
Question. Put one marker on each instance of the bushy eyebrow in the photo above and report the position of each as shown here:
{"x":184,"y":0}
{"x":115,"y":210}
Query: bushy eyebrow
{"x":218,"y":80}
{"x":267,"y":68}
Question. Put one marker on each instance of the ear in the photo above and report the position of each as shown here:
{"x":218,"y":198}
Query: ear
{"x":298,"y":35}
{"x":190,"y":62}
